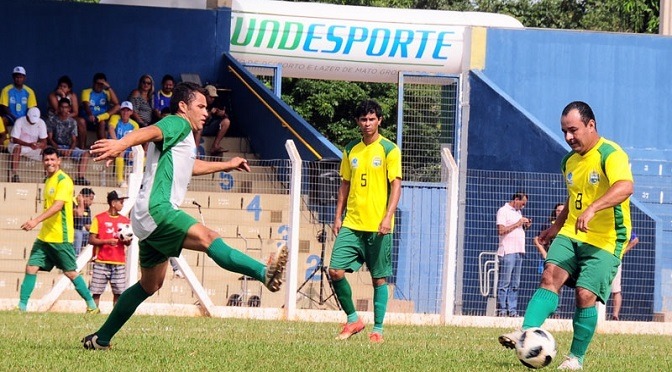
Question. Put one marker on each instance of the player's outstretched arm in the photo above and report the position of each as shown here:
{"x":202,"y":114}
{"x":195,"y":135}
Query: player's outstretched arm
{"x":208,"y":167}
{"x":108,"y":149}
{"x":55,"y":208}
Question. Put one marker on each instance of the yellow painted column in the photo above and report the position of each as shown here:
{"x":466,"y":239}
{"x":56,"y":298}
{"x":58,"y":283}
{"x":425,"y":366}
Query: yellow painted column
{"x":479,"y":36}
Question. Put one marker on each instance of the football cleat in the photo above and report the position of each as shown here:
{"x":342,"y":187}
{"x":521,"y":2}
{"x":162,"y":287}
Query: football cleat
{"x":350,"y":329}
{"x":509,"y":340}
{"x":90,"y":342}
{"x":571,"y":363}
{"x":275,"y":268}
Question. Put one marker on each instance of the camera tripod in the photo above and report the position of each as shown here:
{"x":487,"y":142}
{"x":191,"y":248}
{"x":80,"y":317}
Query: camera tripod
{"x":323,"y":272}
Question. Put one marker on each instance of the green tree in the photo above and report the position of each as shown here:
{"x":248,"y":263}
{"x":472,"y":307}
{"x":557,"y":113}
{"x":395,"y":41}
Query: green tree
{"x":329,"y":105}
{"x":640,"y":16}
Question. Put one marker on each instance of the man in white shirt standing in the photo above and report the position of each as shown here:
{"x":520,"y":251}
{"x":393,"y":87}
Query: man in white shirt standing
{"x":510,"y":228}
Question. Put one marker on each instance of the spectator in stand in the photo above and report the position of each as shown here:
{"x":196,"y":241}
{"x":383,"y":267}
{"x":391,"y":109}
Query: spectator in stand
{"x":217,"y":122}
{"x":29,"y":138}
{"x":142,"y":99}
{"x":64,"y":90}
{"x":62,"y":135}
{"x":98,"y":104}
{"x":109,"y":253}
{"x":162,"y":97}
{"x":224,"y":125}
{"x":16,"y":98}
{"x":82,"y":217}
{"x":120,"y":125}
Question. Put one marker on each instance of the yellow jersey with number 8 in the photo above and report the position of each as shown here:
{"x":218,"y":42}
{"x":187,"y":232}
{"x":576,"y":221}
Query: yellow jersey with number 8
{"x":588,"y":177}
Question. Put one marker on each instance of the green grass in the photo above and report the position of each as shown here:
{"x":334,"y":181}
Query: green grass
{"x":39,"y":341}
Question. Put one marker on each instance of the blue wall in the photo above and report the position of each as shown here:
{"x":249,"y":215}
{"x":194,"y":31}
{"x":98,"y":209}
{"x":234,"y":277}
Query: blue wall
{"x":624,"y":77}
{"x":123,"y":42}
{"x":503,"y":136}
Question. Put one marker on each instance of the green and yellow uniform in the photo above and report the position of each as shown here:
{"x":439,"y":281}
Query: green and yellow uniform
{"x":588,"y":177}
{"x":53,"y":246}
{"x":370,"y":169}
{"x":58,"y":228}
{"x":592,"y":258}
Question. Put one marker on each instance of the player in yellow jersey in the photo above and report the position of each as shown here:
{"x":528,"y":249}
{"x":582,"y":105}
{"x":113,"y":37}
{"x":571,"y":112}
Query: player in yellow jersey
{"x":369,"y":194}
{"x":53,"y":246}
{"x":592,"y":231}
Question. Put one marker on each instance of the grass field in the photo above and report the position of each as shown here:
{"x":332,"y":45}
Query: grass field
{"x":50,"y":341}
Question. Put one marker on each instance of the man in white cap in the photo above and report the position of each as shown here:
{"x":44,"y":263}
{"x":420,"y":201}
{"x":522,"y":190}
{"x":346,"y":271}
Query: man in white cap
{"x":16,"y":98}
{"x":29,"y":138}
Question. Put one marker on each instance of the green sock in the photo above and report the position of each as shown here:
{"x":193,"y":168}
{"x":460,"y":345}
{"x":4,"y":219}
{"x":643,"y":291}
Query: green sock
{"x":26,"y":289}
{"x":380,"y":296}
{"x":83,"y":290}
{"x":585,"y":321}
{"x":236,"y":261}
{"x":542,"y":304}
{"x":344,"y":295}
{"x":122,"y":311}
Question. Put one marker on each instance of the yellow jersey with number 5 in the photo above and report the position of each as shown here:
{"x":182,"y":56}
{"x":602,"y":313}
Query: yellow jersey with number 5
{"x":588,"y":177}
{"x":370,"y":169}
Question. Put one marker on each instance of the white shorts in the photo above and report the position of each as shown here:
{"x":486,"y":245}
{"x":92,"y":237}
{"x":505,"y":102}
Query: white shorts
{"x":34,"y":154}
{"x":616,"y":284}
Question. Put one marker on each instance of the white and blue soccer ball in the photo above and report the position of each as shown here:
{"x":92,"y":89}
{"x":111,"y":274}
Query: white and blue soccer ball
{"x":125,"y":232}
{"x":536,"y":348}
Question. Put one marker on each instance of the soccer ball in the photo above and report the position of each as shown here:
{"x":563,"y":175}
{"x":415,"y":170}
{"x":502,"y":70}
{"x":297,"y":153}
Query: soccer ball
{"x":125,"y":232}
{"x":536,"y":348}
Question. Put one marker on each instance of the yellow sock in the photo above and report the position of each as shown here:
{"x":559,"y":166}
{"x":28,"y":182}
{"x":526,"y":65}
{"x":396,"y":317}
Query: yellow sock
{"x":119,"y":165}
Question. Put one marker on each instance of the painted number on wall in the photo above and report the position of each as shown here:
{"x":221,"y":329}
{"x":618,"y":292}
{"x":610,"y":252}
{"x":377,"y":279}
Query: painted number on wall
{"x":283,"y":230}
{"x":313,"y":263}
{"x":255,"y":207}
{"x":226,"y":181}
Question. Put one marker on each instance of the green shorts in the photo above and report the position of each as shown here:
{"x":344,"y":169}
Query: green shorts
{"x":353,"y":248}
{"x":47,"y":255}
{"x":589,"y":267}
{"x":166,"y":241}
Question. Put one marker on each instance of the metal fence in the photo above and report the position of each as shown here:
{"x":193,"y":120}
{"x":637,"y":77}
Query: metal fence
{"x":428,"y":115}
{"x":251,"y":211}
{"x":487,"y":191}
